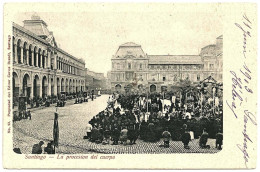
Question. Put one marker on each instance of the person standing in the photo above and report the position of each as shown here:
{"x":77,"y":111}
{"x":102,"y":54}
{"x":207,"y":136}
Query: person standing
{"x":186,"y":139}
{"x":204,"y":139}
{"x":123,"y":135}
{"x":131,"y":134}
{"x":166,"y":138}
{"x":115,"y":135}
{"x":219,"y":139}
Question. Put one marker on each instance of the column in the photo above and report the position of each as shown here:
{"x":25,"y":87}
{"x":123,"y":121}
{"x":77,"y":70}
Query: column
{"x":32,"y":91}
{"x":40,"y":87}
{"x":49,"y":60}
{"x":55,"y":63}
{"x":36,"y":59}
{"x":27,"y":57}
{"x":22,"y":55}
{"x":41,"y":57}
{"x":45,"y":61}
{"x":32,"y":58}
{"x":55,"y":85}
{"x":49,"y":86}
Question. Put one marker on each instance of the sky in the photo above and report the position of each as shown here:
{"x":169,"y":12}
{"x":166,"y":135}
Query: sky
{"x":95,"y":36}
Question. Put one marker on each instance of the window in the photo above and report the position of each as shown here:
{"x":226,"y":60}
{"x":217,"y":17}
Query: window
{"x":118,"y":66}
{"x":164,"y":78}
{"x":198,"y":77}
{"x":141,"y":66}
{"x":129,"y":65}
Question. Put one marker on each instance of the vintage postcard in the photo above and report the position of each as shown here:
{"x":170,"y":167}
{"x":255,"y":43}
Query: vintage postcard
{"x":130,"y":86}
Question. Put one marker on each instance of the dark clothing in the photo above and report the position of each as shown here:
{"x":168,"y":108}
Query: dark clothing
{"x":115,"y":136}
{"x":49,"y":149}
{"x":37,"y":149}
{"x":219,"y":139}
{"x":203,"y":139}
{"x":94,"y":134}
{"x":186,"y":138}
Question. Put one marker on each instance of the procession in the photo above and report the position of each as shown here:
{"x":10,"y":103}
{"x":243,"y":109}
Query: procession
{"x":181,"y":116}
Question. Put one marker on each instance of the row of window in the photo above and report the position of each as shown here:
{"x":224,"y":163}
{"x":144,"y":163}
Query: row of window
{"x":129,"y":66}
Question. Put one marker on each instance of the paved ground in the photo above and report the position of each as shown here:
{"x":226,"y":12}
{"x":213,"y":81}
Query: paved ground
{"x":72,"y":121}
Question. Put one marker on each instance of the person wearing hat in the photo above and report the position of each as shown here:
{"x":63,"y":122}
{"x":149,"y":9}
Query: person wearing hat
{"x":37,"y":148}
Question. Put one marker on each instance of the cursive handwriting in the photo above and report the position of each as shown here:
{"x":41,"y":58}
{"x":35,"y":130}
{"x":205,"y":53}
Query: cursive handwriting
{"x":246,"y":33}
{"x":241,"y":88}
{"x":243,"y":148}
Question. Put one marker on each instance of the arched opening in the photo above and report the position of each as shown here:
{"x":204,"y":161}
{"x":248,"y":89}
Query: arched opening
{"x":62,"y":84}
{"x":15,"y":89}
{"x":58,"y":86}
{"x":52,"y":87}
{"x":25,"y":53}
{"x":67,"y":86}
{"x":70,"y":86}
{"x":19,"y":51}
{"x":44,"y":87}
{"x":77,"y":90}
{"x":152,"y":88}
{"x":34,"y":56}
{"x":36,"y":86}
{"x":43,"y":59}
{"x":39,"y":57}
{"x":118,"y":88}
{"x":73,"y":86}
{"x":26,"y":86}
{"x":13,"y":49}
{"x":30,"y":55}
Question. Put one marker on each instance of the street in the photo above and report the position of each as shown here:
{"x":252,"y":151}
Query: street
{"x":72,"y":127}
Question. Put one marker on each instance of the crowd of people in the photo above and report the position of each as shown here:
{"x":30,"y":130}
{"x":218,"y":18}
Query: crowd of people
{"x":131,"y":117}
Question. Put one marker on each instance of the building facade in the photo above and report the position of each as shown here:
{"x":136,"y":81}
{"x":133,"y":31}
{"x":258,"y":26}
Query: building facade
{"x":94,"y":80}
{"x":131,"y":67}
{"x":40,"y":67}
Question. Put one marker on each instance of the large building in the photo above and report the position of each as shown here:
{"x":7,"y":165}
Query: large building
{"x":40,"y":67}
{"x":131,"y":66}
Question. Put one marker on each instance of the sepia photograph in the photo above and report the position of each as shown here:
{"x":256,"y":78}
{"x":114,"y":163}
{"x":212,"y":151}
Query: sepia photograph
{"x":163,"y":96}
{"x":130,"y":86}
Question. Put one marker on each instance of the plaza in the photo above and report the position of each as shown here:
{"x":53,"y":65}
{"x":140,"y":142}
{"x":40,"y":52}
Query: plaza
{"x":72,"y":126}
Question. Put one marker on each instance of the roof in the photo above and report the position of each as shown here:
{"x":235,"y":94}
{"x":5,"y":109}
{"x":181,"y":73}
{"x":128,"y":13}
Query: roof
{"x":130,"y":44}
{"x":130,"y":50}
{"x":174,"y":59}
